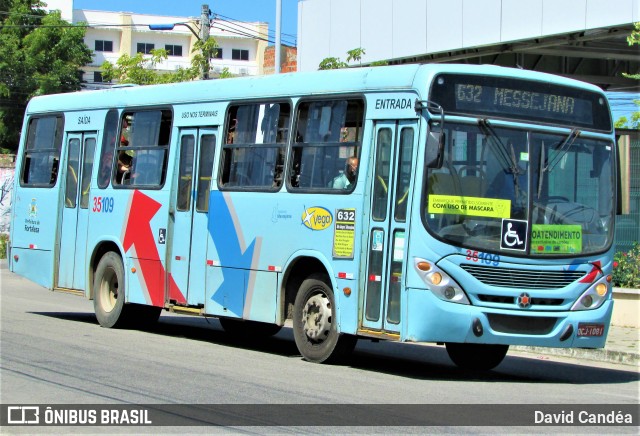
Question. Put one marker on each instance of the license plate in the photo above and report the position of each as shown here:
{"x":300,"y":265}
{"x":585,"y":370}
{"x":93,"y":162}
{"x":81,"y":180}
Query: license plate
{"x":590,"y":329}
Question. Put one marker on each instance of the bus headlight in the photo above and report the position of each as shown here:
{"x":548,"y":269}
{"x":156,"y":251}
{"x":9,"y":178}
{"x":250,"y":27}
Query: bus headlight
{"x":439,"y":282}
{"x":593,"y":297}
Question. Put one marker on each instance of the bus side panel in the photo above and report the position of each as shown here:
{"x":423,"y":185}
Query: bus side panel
{"x":253,"y":234}
{"x":36,"y":265}
{"x":226,"y":291}
{"x":262,"y":296}
{"x":33,"y":229}
{"x":145,"y":282}
{"x":135,"y":221}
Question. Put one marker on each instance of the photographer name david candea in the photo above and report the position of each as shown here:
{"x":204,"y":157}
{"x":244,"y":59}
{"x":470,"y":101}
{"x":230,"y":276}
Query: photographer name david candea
{"x":584,"y":417}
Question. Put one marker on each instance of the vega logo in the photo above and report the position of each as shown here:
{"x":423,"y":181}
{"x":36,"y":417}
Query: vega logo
{"x":317,"y":218}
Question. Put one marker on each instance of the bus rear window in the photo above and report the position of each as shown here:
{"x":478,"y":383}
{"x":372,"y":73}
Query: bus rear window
{"x":327,"y":143}
{"x":42,"y":152}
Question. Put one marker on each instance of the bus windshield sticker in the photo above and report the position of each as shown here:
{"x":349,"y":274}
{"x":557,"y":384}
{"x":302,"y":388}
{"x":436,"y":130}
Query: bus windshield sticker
{"x":556,"y":239}
{"x":377,"y":243}
{"x":317,"y":218}
{"x":514,"y":235}
{"x":398,"y":246}
{"x":471,"y":206}
{"x":344,"y":234}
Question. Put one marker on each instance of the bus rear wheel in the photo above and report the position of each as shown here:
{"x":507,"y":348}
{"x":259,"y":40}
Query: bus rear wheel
{"x":108,"y":286}
{"x":314,"y":326}
{"x":476,"y":356}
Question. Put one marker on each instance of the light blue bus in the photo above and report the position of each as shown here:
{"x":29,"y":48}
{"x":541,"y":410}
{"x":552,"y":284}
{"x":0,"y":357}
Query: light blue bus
{"x":471,"y":206}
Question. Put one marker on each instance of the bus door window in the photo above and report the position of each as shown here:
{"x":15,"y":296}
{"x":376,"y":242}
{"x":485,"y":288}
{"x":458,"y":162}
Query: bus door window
{"x":381,"y":177}
{"x":256,"y":137}
{"x":71,"y":186}
{"x":185,"y":171}
{"x":87,"y":165}
{"x":404,"y":174}
{"x":327,"y":145}
{"x":205,"y":171}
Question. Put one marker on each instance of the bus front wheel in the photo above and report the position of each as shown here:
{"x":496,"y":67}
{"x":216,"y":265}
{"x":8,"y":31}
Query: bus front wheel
{"x":476,"y":356}
{"x":108,"y":286}
{"x":314,"y":323}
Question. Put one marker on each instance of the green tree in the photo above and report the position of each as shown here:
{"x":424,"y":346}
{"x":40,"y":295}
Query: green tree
{"x":39,"y":54}
{"x":140,"y":69}
{"x":623,"y":122}
{"x":354,"y":55}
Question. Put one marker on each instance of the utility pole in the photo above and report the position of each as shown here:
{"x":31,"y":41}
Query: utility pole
{"x":204,"y":36}
{"x":278,"y":43}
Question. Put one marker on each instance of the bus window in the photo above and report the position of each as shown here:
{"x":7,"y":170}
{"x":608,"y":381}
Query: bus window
{"x":71,"y":189}
{"x":87,"y":165}
{"x":142,"y":148}
{"x":185,"y":169}
{"x":253,"y":153}
{"x":205,"y":169}
{"x":328,"y":134}
{"x":42,"y":152}
{"x":108,"y":146}
{"x":404,"y":174}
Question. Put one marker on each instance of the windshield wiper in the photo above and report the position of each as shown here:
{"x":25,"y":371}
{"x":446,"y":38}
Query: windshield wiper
{"x":562,"y":149}
{"x":507,"y":156}
{"x":508,"y":160}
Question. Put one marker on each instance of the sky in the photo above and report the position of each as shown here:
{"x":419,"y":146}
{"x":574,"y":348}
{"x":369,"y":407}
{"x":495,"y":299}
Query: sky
{"x":241,"y":10}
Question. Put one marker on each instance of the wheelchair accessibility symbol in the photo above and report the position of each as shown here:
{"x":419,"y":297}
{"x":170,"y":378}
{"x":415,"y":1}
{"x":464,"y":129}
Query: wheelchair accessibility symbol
{"x":514,"y":235}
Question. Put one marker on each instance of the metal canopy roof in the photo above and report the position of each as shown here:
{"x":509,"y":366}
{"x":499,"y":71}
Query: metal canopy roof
{"x":597,"y":56}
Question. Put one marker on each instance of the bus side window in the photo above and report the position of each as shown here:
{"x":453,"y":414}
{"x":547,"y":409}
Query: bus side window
{"x":327,"y":145}
{"x":42,"y":152}
{"x":253,"y":153}
{"x":109,"y":137}
{"x":142,"y":148}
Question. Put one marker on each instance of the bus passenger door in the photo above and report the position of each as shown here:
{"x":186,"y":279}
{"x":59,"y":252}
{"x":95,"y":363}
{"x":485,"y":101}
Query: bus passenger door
{"x":391,"y":188}
{"x":190,"y":236}
{"x":72,"y":273}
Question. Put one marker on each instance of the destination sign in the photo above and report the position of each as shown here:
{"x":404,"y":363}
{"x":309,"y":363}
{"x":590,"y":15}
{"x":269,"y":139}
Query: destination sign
{"x":521,"y":99}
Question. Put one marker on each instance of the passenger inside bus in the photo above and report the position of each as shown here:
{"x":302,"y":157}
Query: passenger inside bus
{"x":347,"y":177}
{"x":124,"y":165}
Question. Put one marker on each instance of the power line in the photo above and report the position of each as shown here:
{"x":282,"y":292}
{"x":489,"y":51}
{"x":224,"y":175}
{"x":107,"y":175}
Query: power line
{"x":234,"y":20}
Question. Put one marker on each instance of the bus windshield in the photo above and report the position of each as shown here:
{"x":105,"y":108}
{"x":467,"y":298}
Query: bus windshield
{"x":522,"y":192}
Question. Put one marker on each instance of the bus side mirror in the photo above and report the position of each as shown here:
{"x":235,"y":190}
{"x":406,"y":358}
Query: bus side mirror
{"x":434,"y":154}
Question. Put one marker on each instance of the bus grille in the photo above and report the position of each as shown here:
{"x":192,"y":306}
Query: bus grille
{"x":522,"y":278}
{"x":535,"y":301}
{"x":528,"y":325}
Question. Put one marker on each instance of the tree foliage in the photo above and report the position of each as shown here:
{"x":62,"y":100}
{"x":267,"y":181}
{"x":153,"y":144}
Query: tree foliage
{"x":633,"y":123}
{"x":39,"y":54}
{"x":140,"y":69}
{"x":353,"y":55}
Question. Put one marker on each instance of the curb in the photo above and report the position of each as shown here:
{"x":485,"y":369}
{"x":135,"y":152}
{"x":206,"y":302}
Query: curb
{"x":600,"y":355}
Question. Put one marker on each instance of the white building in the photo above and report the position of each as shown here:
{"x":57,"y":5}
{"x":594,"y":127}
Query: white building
{"x":583,"y":39}
{"x":112,"y":34}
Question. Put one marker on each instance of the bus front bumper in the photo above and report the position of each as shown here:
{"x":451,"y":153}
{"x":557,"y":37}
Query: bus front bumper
{"x":430,"y":319}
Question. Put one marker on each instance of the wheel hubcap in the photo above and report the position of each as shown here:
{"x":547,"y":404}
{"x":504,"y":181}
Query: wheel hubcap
{"x":316,"y":318}
{"x":109,"y":291}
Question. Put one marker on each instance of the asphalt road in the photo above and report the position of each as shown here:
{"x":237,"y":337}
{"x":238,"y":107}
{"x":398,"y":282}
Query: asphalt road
{"x":54,"y":352}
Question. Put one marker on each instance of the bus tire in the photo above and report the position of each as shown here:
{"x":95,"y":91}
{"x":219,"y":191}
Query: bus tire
{"x":109,"y":292}
{"x":248,"y":330}
{"x":314,"y":326}
{"x":476,"y":356}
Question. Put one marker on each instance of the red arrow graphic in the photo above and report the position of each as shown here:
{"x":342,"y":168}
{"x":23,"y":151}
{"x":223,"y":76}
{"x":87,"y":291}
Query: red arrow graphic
{"x":139,"y":235}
